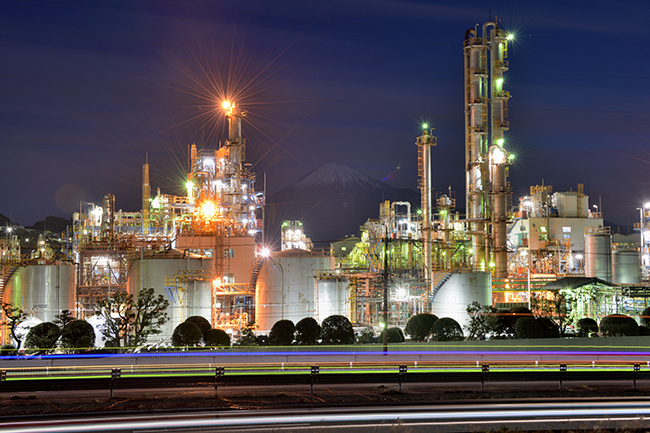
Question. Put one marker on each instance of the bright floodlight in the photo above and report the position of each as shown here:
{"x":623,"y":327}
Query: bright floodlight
{"x":425,"y":126}
{"x":500,"y":142}
{"x":498,"y":156}
{"x":265,"y":252}
{"x":647,"y":205}
{"x":208,"y":209}
{"x":228,"y":107}
{"x":510,"y":36}
{"x":9,"y":229}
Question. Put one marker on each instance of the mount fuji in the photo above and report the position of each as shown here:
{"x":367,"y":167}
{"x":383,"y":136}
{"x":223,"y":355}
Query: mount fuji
{"x":332,"y":201}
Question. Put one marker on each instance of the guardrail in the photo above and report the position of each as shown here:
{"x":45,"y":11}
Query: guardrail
{"x":73,"y":379}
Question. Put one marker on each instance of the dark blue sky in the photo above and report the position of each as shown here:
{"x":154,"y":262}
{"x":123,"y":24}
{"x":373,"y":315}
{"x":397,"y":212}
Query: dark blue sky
{"x":89,"y":88}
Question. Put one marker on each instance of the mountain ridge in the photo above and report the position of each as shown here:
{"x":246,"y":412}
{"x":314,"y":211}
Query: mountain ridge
{"x":332,"y":202}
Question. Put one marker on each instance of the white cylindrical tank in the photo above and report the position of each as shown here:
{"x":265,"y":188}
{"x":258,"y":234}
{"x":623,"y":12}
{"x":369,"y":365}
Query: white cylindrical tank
{"x":626,"y":266}
{"x":598,"y":253}
{"x":330,"y":298}
{"x":42,"y":289}
{"x":286,"y":286}
{"x":460,"y":290}
{"x":199,"y":299}
{"x":176,"y":276}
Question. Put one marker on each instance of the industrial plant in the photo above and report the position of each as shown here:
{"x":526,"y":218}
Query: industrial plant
{"x":208,"y":254}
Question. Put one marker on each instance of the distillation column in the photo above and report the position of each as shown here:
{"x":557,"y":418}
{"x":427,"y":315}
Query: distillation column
{"x":237,"y":155}
{"x":476,"y":143}
{"x":424,"y":143}
{"x":499,"y":158}
{"x":146,"y":192}
{"x":486,"y":160}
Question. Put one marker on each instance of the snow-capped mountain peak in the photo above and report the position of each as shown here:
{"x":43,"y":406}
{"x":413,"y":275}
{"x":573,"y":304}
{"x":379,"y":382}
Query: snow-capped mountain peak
{"x":335,"y":174}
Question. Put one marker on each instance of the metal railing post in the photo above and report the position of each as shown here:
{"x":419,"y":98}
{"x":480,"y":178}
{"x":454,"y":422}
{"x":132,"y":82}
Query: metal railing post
{"x":637,"y":368}
{"x":314,"y":372}
{"x":116,"y":373}
{"x":485,"y":369}
{"x":218,"y":375}
{"x":402,"y":372}
{"x":562,"y":371}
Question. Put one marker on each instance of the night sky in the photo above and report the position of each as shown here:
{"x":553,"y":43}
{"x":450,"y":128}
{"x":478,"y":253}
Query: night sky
{"x":88,"y":89}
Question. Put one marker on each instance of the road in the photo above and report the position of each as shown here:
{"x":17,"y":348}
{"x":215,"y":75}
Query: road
{"x":525,"y":416}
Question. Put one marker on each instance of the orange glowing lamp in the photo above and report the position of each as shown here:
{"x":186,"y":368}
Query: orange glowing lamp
{"x":208,"y":209}
{"x":228,"y":107}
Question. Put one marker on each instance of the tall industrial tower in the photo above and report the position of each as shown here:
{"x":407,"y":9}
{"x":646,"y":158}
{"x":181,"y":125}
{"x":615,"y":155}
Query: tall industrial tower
{"x":487,"y":161}
{"x":424,"y":144}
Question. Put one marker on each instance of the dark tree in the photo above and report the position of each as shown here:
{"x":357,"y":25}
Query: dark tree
{"x":395,"y":335}
{"x":78,"y":336}
{"x":560,"y":311}
{"x":586,"y":326}
{"x":282,"y":333}
{"x":509,"y":318}
{"x":483,"y":321}
{"x":504,"y":324}
{"x":446,"y":329}
{"x":644,"y":317}
{"x":42,"y":337}
{"x":201,"y":322}
{"x":13,"y":316}
{"x":619,"y":325}
{"x":8,"y":350}
{"x":551,"y":329}
{"x":63,"y":318}
{"x":418,"y":327}
{"x":150,"y":315}
{"x":248,"y":337}
{"x":216,"y":338}
{"x":366,"y":336}
{"x":130,"y":322}
{"x":644,"y":331}
{"x":528,"y":327}
{"x":186,"y":334}
{"x":307,"y":331}
{"x":337,"y":329}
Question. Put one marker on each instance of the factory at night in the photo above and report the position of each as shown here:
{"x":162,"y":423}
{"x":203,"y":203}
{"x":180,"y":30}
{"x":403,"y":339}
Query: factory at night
{"x":209,"y":252}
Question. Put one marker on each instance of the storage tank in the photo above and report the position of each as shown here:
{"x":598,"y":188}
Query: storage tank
{"x":181,"y":278}
{"x":626,"y":267}
{"x":458,"y":291}
{"x":598,"y":253}
{"x":330,"y":298}
{"x":199,"y":298}
{"x":42,"y":289}
{"x":287,"y":284}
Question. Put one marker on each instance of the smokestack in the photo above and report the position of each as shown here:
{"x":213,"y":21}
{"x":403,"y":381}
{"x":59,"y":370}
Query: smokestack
{"x":145,"y":197}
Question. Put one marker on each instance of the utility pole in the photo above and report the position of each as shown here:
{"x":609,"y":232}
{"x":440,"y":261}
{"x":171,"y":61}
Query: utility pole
{"x":385,"y":335}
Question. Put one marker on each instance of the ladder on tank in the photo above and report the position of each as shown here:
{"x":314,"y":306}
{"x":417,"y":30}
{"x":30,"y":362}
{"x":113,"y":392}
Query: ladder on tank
{"x":255,"y":271}
{"x":441,"y":282}
{"x":7,"y":272}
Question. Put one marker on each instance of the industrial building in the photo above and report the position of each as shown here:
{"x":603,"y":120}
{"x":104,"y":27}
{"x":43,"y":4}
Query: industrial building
{"x":205,"y":251}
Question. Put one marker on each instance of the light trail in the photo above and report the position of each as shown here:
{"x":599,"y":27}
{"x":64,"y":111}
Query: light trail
{"x":591,"y":412}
